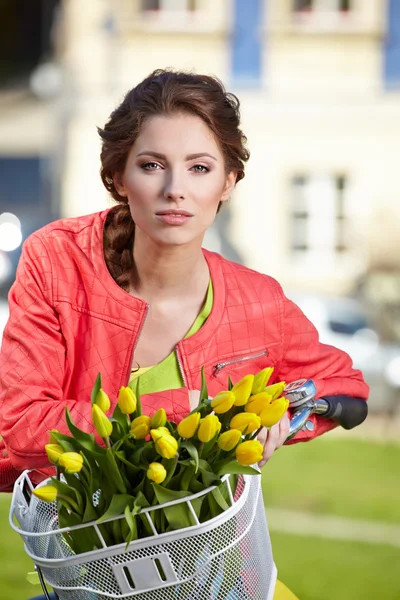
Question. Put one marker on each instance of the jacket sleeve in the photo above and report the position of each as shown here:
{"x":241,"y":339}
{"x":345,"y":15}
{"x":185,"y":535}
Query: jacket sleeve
{"x":304,"y":356}
{"x":32,"y":363}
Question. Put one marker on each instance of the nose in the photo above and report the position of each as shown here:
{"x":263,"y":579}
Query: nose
{"x":174,"y":187}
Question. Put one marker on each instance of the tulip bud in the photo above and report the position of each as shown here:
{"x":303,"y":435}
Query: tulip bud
{"x":158,"y":419}
{"x":71,"y":461}
{"x":156,"y":472}
{"x":275,"y":390}
{"x":261,"y":380}
{"x":249,"y":452}
{"x":157,"y":433}
{"x":257,"y":403}
{"x":274,"y":412}
{"x":223,"y":402}
{"x":140,"y":427}
{"x":101,"y":422}
{"x":127,"y":400}
{"x":208,"y":428}
{"x":167,"y":446}
{"x":229,"y":439}
{"x":52,"y":439}
{"x":102,"y":400}
{"x":188,"y":426}
{"x":54,"y":451}
{"x":245,"y":422}
{"x":242,"y":390}
{"x":47,"y":493}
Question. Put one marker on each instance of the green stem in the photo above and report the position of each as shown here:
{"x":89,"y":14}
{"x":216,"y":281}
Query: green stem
{"x":107,"y":442}
{"x":255,"y":434}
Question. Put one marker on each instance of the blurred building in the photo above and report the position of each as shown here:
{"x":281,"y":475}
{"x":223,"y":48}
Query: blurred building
{"x":319,"y":82}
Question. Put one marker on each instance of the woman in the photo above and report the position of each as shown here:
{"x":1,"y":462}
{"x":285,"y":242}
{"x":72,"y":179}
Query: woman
{"x":131,"y":291}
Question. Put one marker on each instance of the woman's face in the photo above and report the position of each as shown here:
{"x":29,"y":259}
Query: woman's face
{"x":174,"y":179}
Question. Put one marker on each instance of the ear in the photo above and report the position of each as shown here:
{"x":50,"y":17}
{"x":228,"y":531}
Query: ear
{"x":118,"y":181}
{"x":229,"y":186}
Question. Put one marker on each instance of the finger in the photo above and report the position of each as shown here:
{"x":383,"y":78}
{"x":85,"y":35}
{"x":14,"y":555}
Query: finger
{"x":284,"y":425}
{"x":270,"y":444}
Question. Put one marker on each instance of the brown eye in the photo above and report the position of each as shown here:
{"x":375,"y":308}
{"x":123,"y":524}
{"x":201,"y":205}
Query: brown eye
{"x":200,"y":169}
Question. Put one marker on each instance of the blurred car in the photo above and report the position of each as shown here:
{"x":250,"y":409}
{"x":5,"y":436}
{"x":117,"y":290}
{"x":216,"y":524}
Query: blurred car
{"x":345,"y":323}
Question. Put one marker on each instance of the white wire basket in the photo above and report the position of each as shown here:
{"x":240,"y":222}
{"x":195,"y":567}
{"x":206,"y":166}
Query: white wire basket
{"x":228,"y":557}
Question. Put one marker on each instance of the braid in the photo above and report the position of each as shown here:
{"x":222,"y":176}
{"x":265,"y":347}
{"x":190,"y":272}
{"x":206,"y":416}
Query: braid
{"x":119,"y":233}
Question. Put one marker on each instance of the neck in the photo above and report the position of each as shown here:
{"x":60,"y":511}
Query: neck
{"x":168,"y":271}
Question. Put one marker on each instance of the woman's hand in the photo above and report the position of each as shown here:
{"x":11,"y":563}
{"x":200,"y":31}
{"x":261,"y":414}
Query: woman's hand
{"x":273,"y":438}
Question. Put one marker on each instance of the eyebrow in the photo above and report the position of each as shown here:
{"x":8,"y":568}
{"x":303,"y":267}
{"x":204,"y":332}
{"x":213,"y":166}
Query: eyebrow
{"x":188,"y":157}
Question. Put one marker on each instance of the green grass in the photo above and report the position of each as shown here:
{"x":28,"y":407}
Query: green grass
{"x":332,"y":475}
{"x":338,"y":476}
{"x":317,"y":569}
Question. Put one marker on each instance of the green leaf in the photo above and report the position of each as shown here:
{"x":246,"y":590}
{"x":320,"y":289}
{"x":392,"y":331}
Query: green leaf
{"x":230,"y":383}
{"x":120,"y":418}
{"x":218,"y":497}
{"x":178,"y":515}
{"x":96,"y":388}
{"x":192,"y":450}
{"x":117,"y":506}
{"x":130,"y":519}
{"x":113,"y":472}
{"x":85,"y":440}
{"x":67,"y":443}
{"x":186,"y":477}
{"x":135,"y":385}
{"x":204,"y":389}
{"x":233,"y":467}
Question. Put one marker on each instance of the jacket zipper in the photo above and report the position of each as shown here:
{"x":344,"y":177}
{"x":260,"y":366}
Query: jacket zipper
{"x":136,"y":342}
{"x":232,"y":361}
{"x":178,"y":358}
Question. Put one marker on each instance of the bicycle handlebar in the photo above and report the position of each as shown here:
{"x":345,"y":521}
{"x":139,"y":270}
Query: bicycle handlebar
{"x":344,"y":410}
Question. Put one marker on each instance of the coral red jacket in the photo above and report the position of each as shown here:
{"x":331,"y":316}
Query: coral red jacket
{"x":69,"y":321}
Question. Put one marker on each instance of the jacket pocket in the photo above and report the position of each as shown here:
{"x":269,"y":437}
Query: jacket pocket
{"x":229,"y":362}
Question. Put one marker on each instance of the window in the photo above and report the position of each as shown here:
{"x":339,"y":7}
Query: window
{"x":318,"y":215}
{"x":322,"y":5}
{"x":177,"y":5}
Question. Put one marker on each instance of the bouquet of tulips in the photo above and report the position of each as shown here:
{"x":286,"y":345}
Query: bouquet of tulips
{"x":147,"y":461}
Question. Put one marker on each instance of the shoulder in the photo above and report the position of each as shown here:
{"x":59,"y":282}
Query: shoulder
{"x":239,"y":276}
{"x":74,"y":228}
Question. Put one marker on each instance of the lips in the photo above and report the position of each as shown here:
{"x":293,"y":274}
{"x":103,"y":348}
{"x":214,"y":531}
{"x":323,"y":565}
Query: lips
{"x":173,"y":212}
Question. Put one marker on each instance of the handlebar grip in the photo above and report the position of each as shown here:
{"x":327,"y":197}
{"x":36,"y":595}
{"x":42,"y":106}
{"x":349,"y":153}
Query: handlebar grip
{"x":348,"y":412}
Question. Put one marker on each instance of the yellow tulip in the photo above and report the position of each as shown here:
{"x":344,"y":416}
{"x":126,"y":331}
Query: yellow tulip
{"x":245,"y":422}
{"x":257,"y":403}
{"x":140,"y":427}
{"x":159,"y":432}
{"x":249,"y":452}
{"x":242,"y":390}
{"x":47,"y":493}
{"x":208,"y":428}
{"x":158,"y":419}
{"x":229,"y":439}
{"x":156,"y":472}
{"x":167,"y":446}
{"x":275,"y":390}
{"x":102,"y":400}
{"x":188,"y":426}
{"x":274,"y":412}
{"x":71,"y":461}
{"x":53,"y":452}
{"x":223,"y":402}
{"x":101,"y":422}
{"x":261,"y":380}
{"x":127,"y":400}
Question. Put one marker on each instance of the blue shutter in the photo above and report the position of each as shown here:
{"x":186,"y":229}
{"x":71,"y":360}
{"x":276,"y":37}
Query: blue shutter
{"x":247,"y":42}
{"x":392,"y":46}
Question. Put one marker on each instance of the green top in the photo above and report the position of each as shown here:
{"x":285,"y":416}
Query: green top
{"x":166,"y":375}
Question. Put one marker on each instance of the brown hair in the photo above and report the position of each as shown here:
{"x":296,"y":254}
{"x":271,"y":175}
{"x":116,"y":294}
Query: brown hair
{"x":162,"y":92}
